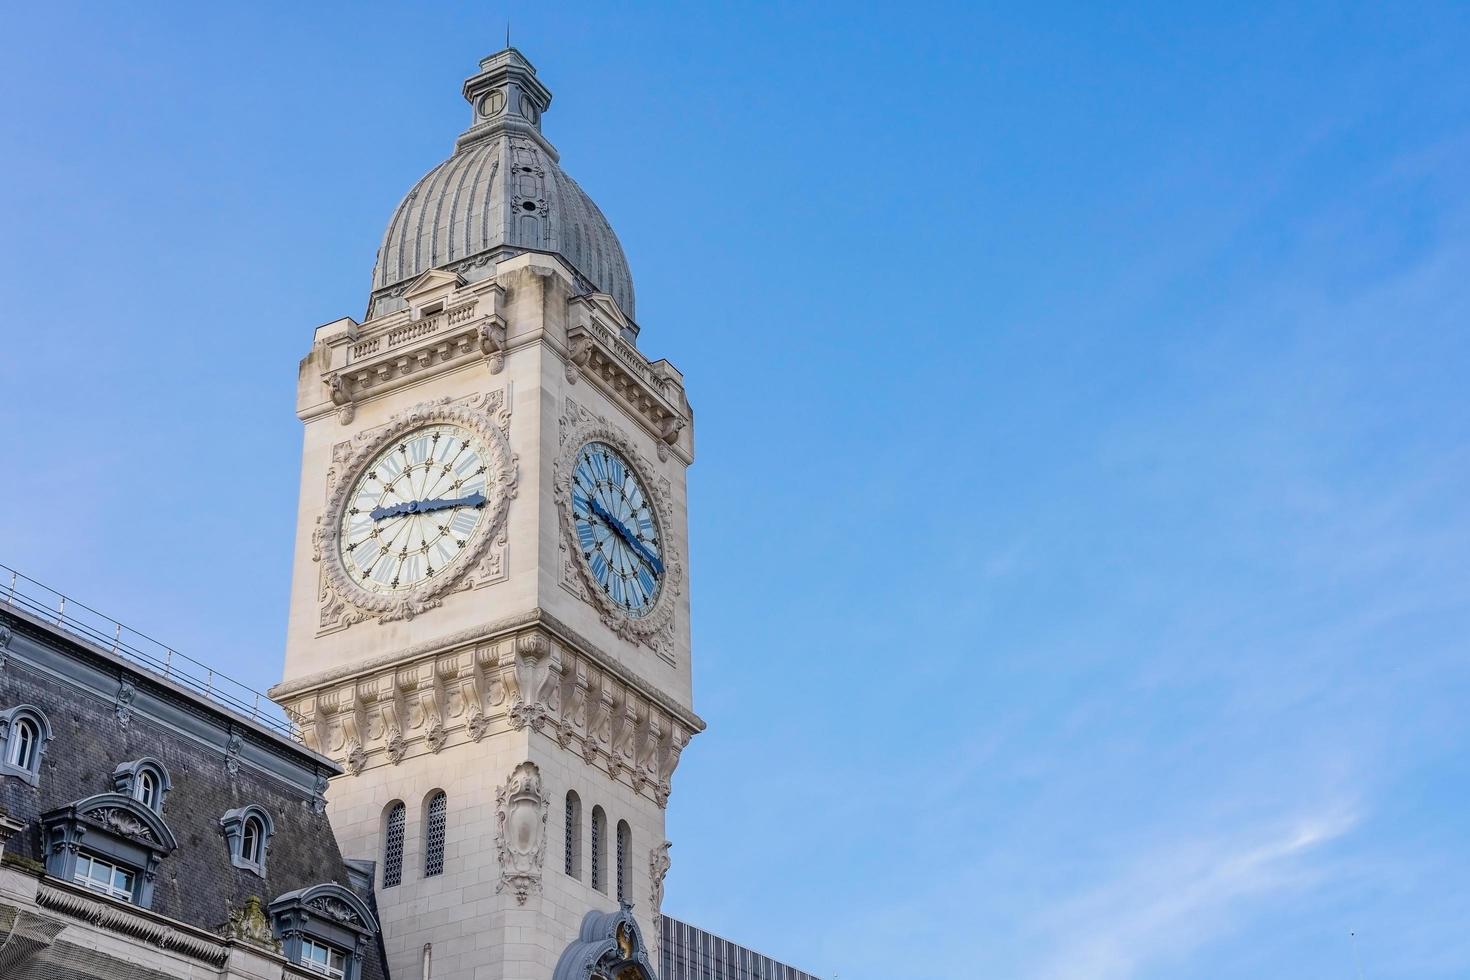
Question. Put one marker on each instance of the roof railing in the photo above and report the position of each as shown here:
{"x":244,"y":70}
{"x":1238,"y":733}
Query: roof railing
{"x":24,"y":593}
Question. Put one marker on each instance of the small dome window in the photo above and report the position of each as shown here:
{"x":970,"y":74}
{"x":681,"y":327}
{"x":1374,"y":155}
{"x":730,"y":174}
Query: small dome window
{"x":145,"y":780}
{"x":248,"y":833}
{"x":24,"y":732}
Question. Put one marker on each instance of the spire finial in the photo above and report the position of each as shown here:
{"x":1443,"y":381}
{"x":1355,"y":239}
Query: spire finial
{"x":507,"y":32}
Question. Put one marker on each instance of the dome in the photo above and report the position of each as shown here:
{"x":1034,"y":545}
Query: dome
{"x":501,"y":193}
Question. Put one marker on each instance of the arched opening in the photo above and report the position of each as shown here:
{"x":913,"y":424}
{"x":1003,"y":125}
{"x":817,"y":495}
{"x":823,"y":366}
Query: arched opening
{"x":436,"y":819}
{"x":24,"y":745}
{"x":393,"y":844}
{"x":572,"y":855}
{"x":250,"y":840}
{"x":599,"y":837}
{"x":624,"y":858}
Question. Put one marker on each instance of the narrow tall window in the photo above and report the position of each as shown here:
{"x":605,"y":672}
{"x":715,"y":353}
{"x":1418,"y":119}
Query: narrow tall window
{"x":437,"y":815}
{"x":250,"y":841}
{"x":624,"y":856}
{"x":599,"y":832}
{"x":148,"y":789}
{"x":393,"y":846}
{"x":573,"y":853}
{"x":24,"y":754}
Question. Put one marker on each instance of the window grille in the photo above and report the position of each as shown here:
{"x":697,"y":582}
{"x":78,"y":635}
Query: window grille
{"x":434,"y":835}
{"x":599,"y":829}
{"x":393,"y":847}
{"x":573,"y":845}
{"x":624,"y":848}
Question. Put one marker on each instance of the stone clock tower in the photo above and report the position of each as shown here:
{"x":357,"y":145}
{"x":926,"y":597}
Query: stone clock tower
{"x":489,"y":609}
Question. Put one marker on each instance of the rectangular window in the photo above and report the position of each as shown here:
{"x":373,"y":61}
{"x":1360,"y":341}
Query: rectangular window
{"x":102,"y":876}
{"x":320,"y":958}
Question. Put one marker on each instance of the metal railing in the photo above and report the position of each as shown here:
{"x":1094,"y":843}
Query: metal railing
{"x":24,"y":593}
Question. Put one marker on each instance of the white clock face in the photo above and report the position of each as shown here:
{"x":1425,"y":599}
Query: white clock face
{"x":414,"y":509}
{"x":616,"y":529}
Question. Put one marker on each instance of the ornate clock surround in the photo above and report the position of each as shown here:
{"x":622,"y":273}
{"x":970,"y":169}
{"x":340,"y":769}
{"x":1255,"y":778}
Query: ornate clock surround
{"x":344,"y":601}
{"x":578,"y":428}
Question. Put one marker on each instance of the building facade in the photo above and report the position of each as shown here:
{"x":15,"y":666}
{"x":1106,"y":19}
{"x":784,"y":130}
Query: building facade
{"x":487,"y":682}
{"x":687,"y":952}
{"x":489,"y":624}
{"x":148,"y":831}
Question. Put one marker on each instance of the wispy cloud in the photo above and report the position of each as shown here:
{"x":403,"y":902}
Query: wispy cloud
{"x":1173,"y":899}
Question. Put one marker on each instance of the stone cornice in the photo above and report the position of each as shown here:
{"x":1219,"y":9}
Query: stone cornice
{"x":115,"y":916}
{"x":530,"y":676}
{"x":286,"y":690}
{"x":652,"y":393}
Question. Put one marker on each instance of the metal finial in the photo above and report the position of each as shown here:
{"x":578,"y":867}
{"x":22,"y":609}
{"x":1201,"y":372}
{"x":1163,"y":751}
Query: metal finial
{"x":507,"y":32}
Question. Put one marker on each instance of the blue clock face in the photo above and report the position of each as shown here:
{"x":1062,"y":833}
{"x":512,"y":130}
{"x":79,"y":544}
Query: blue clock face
{"x":616,"y":529}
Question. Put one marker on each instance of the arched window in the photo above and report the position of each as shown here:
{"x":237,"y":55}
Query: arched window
{"x":393,"y":844}
{"x":624,"y":856}
{"x":24,"y":732}
{"x":436,"y":816}
{"x":250,"y":841}
{"x":145,"y":780}
{"x":148,"y":789}
{"x":27,"y":738}
{"x":248,"y":831}
{"x":599,"y":838}
{"x":572,"y":863}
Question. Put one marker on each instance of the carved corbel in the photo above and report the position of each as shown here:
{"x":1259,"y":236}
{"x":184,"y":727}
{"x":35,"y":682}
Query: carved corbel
{"x":341,"y":396}
{"x":579,"y":353}
{"x":669,"y":428}
{"x":574,"y":702}
{"x":527,"y":708}
{"x":492,"y":342}
{"x":599,"y":727}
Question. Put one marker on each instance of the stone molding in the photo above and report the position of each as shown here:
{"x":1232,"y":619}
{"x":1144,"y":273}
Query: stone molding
{"x":409,"y":346}
{"x":654,"y":629}
{"x":108,"y":914}
{"x":343,"y":601}
{"x":523,"y":680}
{"x":650,"y":392}
{"x":520,"y":831}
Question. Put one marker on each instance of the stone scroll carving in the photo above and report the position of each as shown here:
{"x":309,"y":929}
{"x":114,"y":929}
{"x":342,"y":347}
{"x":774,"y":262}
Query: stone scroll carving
{"x":658,"y":866}
{"x":526,"y":680}
{"x":520,"y":834}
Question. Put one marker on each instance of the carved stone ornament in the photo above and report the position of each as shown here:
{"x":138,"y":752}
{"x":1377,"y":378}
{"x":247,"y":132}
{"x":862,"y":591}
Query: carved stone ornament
{"x":652,"y":628}
{"x":335,"y":910}
{"x":124,"y":707}
{"x":343,"y":600}
{"x":250,"y":925}
{"x":122,"y":823}
{"x":520,"y":835}
{"x":658,"y":867}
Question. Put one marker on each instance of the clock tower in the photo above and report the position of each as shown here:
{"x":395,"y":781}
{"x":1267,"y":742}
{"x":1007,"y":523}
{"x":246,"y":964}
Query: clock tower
{"x":489,"y":622}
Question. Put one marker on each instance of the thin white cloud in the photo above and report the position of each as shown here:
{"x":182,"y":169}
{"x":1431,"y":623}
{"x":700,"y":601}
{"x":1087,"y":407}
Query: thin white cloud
{"x":1171,"y":900}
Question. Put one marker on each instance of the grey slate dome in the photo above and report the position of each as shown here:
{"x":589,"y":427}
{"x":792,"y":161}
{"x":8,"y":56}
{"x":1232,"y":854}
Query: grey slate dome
{"x":501,"y":193}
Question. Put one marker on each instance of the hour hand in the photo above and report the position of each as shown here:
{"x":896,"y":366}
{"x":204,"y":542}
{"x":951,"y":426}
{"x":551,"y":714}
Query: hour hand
{"x":423,"y":506}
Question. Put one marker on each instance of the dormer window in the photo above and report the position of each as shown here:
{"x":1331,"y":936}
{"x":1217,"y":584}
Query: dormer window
{"x":24,"y":732}
{"x":111,"y":843}
{"x":145,"y":780}
{"x":248,"y":832}
{"x":324,"y":929}
{"x":105,"y":877}
{"x":250,"y":843}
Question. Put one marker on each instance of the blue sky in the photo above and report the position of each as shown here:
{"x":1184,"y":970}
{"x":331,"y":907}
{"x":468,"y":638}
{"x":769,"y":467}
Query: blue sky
{"x":1081,"y":518}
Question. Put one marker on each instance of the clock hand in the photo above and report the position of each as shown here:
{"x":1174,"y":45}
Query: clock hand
{"x":628,"y":536}
{"x":424,"y":506}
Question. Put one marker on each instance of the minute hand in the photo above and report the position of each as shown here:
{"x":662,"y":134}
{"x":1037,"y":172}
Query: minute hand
{"x":423,"y":506}
{"x":628,"y":536}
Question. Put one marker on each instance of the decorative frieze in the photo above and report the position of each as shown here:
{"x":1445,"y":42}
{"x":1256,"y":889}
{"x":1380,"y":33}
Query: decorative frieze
{"x":525,"y":680}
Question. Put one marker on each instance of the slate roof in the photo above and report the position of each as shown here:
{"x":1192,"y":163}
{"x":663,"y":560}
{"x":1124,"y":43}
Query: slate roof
{"x":93,"y":730}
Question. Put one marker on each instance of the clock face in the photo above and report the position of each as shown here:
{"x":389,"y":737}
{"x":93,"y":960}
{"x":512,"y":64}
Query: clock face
{"x":616,"y":529}
{"x":414,"y":509}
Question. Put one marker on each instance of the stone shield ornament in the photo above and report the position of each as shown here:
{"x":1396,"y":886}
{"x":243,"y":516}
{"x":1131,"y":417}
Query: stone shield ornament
{"x":521,"y":808}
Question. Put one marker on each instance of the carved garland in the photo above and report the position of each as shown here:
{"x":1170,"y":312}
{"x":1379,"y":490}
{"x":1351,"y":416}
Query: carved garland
{"x":579,"y":427}
{"x":481,"y":417}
